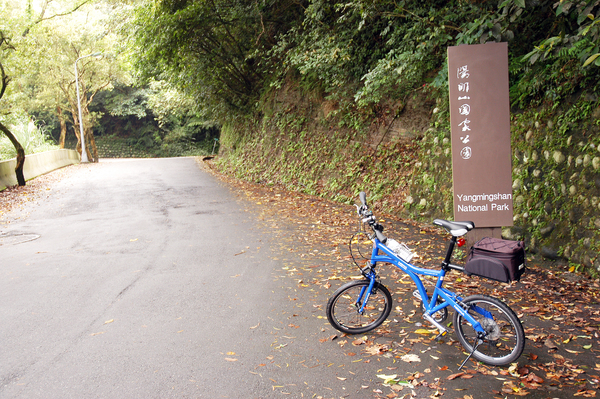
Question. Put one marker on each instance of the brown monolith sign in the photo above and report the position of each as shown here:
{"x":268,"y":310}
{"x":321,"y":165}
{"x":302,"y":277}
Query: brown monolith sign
{"x":480,"y":119}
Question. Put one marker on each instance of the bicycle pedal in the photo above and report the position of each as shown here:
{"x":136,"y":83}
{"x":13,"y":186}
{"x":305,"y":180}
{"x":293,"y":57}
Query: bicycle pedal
{"x":441,"y":335}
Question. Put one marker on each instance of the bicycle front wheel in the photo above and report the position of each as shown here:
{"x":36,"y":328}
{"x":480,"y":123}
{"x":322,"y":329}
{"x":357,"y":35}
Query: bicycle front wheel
{"x":343,"y":308}
{"x":505,"y":338}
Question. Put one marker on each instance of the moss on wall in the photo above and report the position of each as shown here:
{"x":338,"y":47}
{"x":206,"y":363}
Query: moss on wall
{"x":308,"y":146}
{"x":556,"y":180}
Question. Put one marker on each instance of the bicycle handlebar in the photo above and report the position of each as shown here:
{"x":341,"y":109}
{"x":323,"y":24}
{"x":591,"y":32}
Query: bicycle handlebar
{"x":363,"y":198}
{"x":368,"y":217}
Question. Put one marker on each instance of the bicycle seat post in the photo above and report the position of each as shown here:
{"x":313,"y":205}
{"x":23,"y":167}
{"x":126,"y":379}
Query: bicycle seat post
{"x":449,"y":252}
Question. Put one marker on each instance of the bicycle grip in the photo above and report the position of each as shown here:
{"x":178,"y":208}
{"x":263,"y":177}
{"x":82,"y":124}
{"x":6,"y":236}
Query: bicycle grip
{"x":380,"y":236}
{"x":363,"y":198}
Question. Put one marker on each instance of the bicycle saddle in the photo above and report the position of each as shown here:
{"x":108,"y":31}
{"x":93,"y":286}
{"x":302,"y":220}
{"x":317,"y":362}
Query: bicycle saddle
{"x":457,"y":229}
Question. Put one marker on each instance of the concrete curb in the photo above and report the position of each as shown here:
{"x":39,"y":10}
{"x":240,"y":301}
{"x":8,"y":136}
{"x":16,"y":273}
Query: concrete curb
{"x":36,"y":165}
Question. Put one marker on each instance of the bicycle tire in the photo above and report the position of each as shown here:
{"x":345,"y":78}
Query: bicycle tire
{"x":505,"y":340}
{"x":343,"y":310}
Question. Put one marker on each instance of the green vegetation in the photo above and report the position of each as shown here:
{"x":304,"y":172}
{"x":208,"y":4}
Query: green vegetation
{"x":32,"y":137}
{"x":360,"y":53}
{"x":45,"y":42}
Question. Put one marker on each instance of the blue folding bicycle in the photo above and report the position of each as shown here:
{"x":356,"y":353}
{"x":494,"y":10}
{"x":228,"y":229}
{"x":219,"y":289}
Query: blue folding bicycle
{"x":486,"y":327}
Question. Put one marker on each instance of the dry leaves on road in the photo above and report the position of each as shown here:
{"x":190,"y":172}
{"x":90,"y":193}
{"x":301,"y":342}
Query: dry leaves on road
{"x":560,"y":311}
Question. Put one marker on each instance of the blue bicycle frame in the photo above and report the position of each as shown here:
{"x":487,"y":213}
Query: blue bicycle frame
{"x":352,"y":315}
{"x":429,"y":303}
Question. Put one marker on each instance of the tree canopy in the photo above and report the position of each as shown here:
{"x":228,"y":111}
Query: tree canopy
{"x":48,"y":37}
{"x":216,"y":51}
{"x":226,"y":54}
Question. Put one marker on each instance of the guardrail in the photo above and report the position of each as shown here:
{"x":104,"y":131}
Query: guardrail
{"x":36,"y":165}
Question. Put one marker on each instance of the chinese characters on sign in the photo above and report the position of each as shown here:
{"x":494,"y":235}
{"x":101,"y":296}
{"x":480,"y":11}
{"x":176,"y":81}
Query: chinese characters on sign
{"x":480,"y":120}
{"x":462,"y":74}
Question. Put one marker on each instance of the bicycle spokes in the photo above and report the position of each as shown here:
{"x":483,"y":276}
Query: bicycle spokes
{"x":496,"y":337}
{"x":352,"y":310}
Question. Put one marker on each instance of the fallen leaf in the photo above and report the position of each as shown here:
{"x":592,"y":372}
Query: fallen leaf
{"x":422,"y":331}
{"x":550,"y":344}
{"x":534,"y":378}
{"x":572,"y":351}
{"x":387,"y":378}
{"x":375,"y":349}
{"x":454,"y":376}
{"x":409,"y":358}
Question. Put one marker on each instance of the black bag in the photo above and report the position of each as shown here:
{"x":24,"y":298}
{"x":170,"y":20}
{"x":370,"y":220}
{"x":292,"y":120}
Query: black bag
{"x":496,"y":259}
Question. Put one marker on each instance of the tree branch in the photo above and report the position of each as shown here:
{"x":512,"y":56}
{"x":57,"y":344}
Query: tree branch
{"x":41,"y":18}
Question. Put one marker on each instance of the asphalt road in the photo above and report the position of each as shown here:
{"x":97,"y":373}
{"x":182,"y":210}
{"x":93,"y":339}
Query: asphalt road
{"x":150,"y":279}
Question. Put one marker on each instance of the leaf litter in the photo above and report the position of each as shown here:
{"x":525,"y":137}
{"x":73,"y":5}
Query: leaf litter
{"x":560,"y":310}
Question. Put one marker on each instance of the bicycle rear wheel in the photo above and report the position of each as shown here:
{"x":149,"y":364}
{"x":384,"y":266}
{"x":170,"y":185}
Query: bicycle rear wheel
{"x":505,"y":337}
{"x":343,"y":308}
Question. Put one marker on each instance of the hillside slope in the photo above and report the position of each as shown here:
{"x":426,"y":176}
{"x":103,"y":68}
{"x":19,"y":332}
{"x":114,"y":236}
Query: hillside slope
{"x":403,"y":161}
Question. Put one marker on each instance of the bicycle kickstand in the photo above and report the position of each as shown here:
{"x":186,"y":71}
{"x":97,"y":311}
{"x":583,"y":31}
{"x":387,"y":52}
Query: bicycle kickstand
{"x":479,"y":342}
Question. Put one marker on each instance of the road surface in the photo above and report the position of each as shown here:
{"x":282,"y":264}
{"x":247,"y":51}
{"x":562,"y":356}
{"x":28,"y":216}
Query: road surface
{"x":150,"y":279}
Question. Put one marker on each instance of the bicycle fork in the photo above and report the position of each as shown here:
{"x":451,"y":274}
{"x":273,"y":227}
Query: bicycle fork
{"x":363,"y":298}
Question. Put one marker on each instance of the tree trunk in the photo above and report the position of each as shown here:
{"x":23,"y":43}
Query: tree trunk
{"x":63,"y":126}
{"x":20,"y":154}
{"x":92,"y":141}
{"x":87,"y":133}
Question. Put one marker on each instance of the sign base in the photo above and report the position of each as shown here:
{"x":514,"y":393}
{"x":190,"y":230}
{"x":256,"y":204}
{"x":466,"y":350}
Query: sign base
{"x":481,"y":232}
